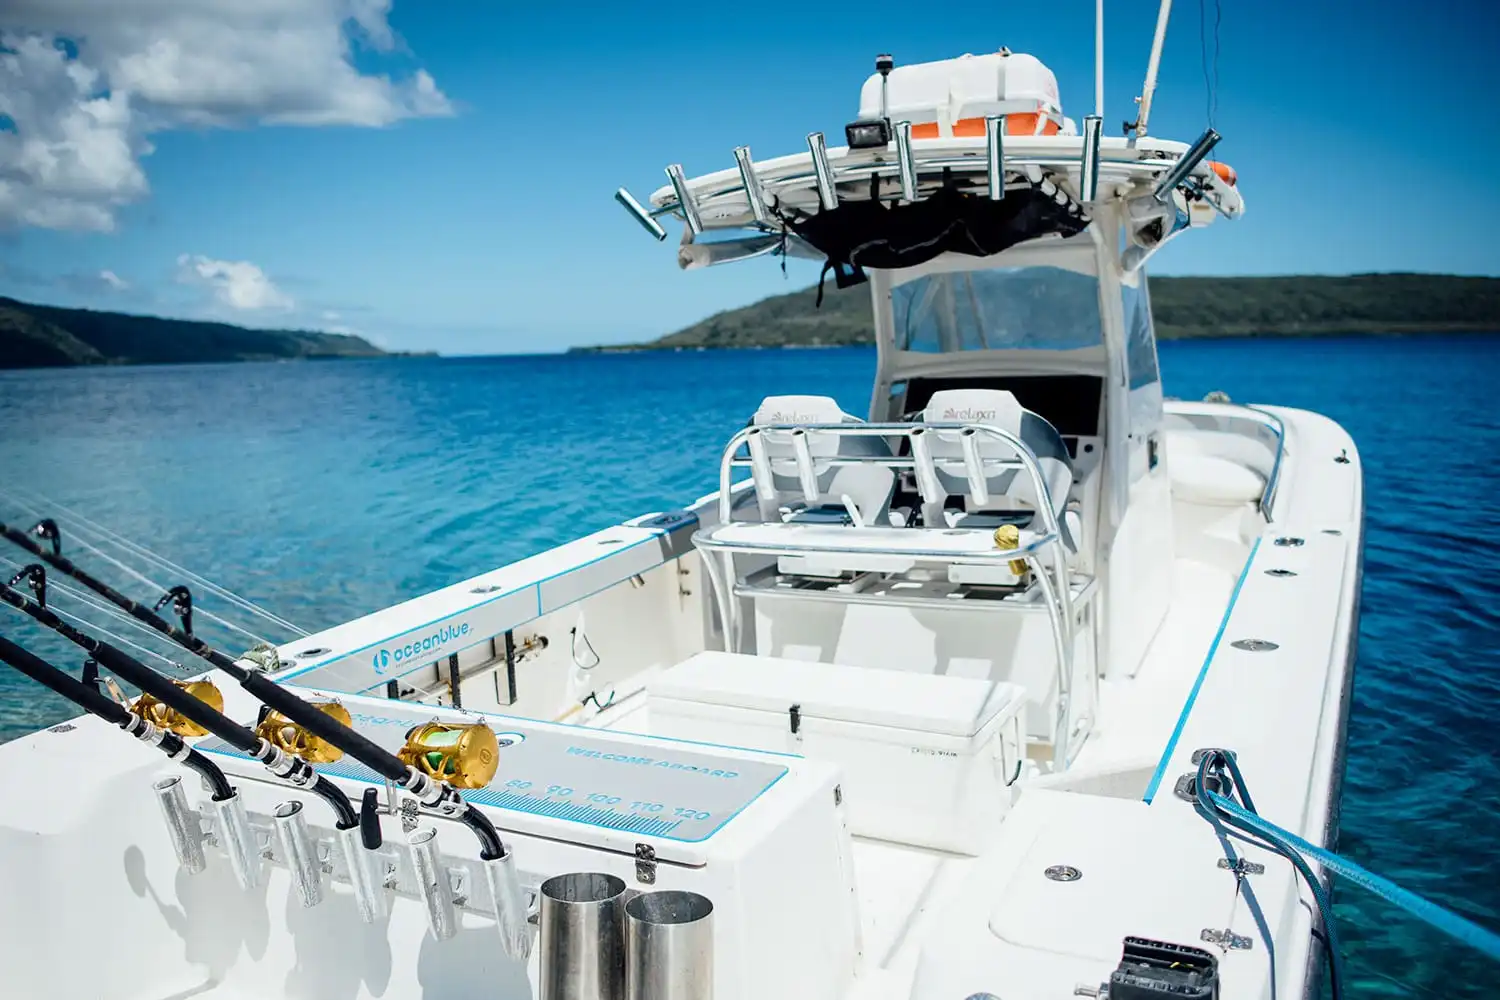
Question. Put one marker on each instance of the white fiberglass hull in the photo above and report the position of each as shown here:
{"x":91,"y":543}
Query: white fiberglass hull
{"x":802,"y":906}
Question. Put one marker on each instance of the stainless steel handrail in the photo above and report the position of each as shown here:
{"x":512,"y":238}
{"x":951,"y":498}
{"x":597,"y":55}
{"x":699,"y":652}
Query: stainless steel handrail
{"x":1253,"y":414}
{"x":1052,"y":575}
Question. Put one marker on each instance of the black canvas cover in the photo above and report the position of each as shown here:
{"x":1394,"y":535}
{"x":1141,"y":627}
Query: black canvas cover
{"x":864,"y":234}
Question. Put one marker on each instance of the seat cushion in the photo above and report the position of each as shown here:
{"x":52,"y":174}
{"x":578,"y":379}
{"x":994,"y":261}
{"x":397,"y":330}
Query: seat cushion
{"x":1214,"y":482}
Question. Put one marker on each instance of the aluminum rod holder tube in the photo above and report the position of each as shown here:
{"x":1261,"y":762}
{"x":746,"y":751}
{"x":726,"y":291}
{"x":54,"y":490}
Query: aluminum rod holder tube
{"x":1088,"y":175}
{"x":582,"y":937}
{"x":366,"y":876}
{"x":232,"y":827}
{"x":906,"y":161}
{"x":183,"y":825}
{"x":753,"y":193}
{"x":432,"y":883}
{"x":828,"y":196}
{"x":669,"y":946}
{"x":1186,"y":164}
{"x":299,"y":852}
{"x":510,"y":906}
{"x":639,"y":213}
{"x":685,"y":199}
{"x":994,"y":148}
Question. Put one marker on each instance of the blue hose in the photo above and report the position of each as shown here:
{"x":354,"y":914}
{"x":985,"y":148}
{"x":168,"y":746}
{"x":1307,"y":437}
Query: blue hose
{"x":1460,"y":928}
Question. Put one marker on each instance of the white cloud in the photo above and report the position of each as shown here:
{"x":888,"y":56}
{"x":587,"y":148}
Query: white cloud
{"x":113,"y":280}
{"x":84,"y":82}
{"x":237,"y":284}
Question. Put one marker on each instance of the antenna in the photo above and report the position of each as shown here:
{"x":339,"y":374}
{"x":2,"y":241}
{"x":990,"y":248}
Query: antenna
{"x":1099,"y":58}
{"x":884,"y":63}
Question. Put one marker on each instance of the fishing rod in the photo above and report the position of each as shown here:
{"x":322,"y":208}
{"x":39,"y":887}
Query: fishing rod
{"x":181,"y":701}
{"x":182,"y":822}
{"x":434,"y":794}
{"x":430,"y":777}
{"x":91,"y":700}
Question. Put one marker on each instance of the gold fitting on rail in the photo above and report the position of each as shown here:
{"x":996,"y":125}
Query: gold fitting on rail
{"x":464,"y":756}
{"x":1008,"y":536}
{"x":164,"y":716}
{"x":284,"y":734}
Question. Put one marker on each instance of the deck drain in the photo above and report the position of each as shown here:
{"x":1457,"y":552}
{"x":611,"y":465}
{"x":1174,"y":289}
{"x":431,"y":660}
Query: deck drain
{"x":1288,"y":540}
{"x":488,"y":588}
{"x":1281,"y":572}
{"x":1063,"y":873}
{"x":1332,"y":531}
{"x":1255,"y":645}
{"x":315,"y":651}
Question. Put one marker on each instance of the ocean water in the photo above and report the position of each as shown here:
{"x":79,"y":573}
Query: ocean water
{"x":327,"y":490}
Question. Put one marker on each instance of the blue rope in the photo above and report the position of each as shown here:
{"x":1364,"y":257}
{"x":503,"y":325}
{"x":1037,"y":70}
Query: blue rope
{"x":1487,"y":942}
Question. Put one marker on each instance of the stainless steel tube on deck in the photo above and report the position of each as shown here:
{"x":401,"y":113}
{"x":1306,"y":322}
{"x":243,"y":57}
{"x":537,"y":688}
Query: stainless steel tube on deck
{"x":299,"y":852}
{"x":583,"y":937}
{"x":669,"y":946}
{"x":182,"y":823}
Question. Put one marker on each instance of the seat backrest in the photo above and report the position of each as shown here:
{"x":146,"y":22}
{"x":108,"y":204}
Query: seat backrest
{"x":997,"y":408}
{"x":779,"y":479}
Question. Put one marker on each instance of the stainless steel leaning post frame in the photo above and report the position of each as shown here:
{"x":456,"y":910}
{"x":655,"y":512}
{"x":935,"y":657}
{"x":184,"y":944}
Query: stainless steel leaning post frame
{"x":1051,"y":574}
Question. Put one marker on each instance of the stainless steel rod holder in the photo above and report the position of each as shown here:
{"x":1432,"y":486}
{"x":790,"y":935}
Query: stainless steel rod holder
{"x":432,"y":883}
{"x":685,"y":199}
{"x":299,"y":852}
{"x":906,"y":161}
{"x":828,"y":195}
{"x":183,"y":825}
{"x":1088,"y":176}
{"x":648,"y":223}
{"x":753,"y":193}
{"x":232,"y":827}
{"x":582,"y":937}
{"x":994,"y":148}
{"x":366,"y":876}
{"x":1186,"y":164}
{"x":510,"y":906}
{"x":669,"y":946}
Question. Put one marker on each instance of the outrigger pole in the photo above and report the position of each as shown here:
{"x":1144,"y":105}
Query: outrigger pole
{"x":1148,"y":90}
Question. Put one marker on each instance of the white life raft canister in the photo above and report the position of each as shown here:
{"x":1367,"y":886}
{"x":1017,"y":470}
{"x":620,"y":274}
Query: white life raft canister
{"x":952,"y":97}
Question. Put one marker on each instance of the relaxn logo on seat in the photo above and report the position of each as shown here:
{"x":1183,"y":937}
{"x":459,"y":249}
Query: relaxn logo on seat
{"x":382,"y":659}
{"x":969,"y":414}
{"x":795,"y":418}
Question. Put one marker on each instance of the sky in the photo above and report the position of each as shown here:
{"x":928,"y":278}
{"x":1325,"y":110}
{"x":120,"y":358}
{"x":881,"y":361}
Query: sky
{"x":440,"y":176}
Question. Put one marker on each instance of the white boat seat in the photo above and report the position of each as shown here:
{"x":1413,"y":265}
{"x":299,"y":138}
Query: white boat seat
{"x":1010,"y":493}
{"x":1211,"y":480}
{"x":859,"y":495}
{"x":779,"y":481}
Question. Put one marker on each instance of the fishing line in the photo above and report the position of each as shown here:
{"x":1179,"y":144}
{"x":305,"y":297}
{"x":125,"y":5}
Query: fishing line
{"x":162,"y":562}
{"x":55,"y":586}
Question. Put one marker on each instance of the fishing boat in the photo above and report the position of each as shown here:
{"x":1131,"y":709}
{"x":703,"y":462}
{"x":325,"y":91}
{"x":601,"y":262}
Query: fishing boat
{"x":963,"y":697}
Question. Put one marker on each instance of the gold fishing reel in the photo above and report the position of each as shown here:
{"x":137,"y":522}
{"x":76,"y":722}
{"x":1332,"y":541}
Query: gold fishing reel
{"x":164,"y":716}
{"x":284,"y":734}
{"x":464,"y":756}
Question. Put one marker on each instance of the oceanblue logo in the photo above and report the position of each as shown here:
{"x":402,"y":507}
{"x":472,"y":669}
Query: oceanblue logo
{"x":418,"y":649}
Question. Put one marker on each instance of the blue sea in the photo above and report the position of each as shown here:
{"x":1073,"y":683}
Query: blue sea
{"x":327,"y":490}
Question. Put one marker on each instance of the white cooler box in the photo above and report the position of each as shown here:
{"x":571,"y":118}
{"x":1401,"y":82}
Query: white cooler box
{"x":928,"y":760}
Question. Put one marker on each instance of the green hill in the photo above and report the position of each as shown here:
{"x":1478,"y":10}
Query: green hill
{"x":33,"y":336}
{"x":1184,"y":307}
